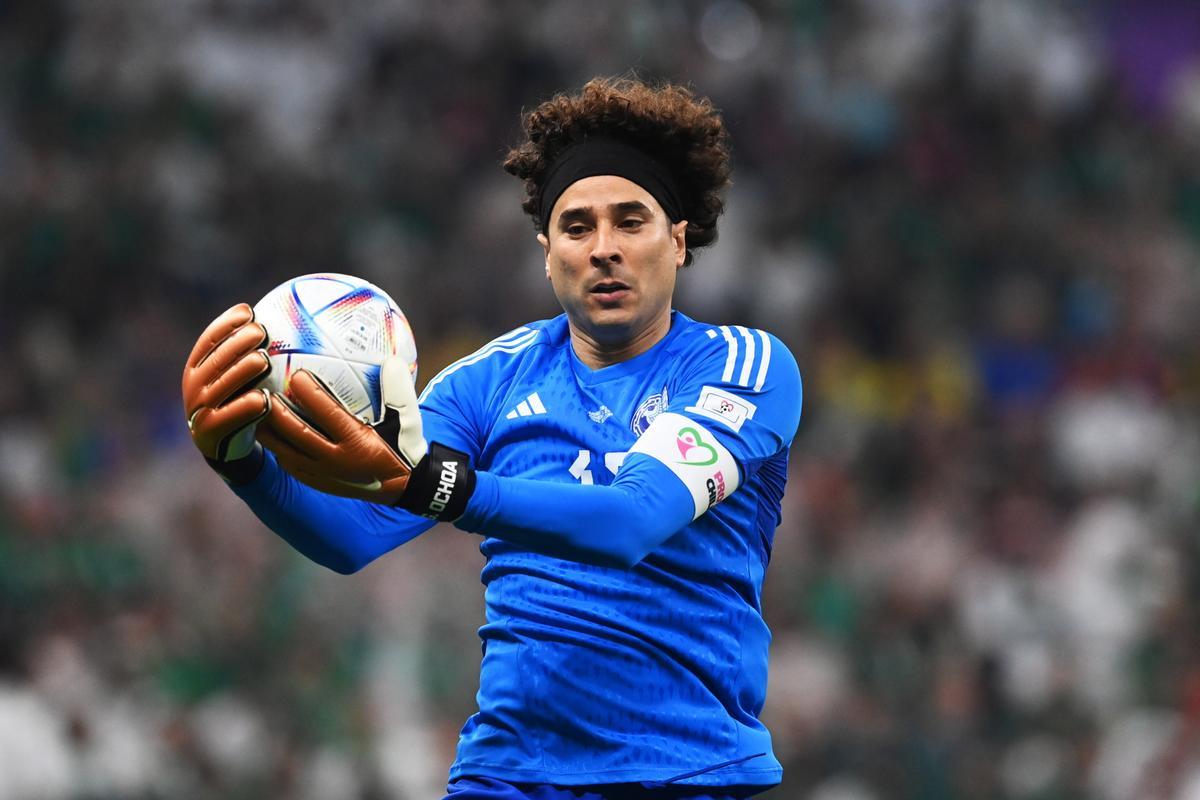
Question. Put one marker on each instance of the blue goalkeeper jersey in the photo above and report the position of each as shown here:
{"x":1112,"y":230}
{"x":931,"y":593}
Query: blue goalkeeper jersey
{"x":624,"y":639}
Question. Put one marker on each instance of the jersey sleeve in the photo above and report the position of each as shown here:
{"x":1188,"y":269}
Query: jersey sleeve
{"x":345,"y":534}
{"x":452,"y":403}
{"x":616,"y":525}
{"x":735,"y":404}
{"x":340,"y":533}
{"x":446,"y":418}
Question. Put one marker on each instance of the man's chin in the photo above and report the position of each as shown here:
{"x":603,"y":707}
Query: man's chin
{"x":608,"y":326}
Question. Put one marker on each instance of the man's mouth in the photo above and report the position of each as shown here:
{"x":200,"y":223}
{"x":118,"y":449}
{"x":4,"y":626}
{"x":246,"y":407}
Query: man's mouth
{"x":609,"y":287}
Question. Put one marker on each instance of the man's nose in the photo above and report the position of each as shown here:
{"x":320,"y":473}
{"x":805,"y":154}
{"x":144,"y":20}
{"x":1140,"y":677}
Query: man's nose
{"x":604,"y":247}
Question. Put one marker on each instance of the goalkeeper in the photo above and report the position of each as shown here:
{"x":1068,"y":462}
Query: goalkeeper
{"x":623,"y":464}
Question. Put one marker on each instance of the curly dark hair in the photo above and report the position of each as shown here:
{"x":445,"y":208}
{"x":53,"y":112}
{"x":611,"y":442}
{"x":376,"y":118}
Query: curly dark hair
{"x":667,"y":121}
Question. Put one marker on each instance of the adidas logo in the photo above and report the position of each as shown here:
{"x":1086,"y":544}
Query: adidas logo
{"x":530,"y":406}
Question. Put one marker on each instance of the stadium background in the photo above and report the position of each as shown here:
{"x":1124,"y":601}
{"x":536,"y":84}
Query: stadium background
{"x":976,"y":223}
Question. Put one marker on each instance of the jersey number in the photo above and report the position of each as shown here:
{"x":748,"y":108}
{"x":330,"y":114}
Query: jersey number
{"x":579,"y":469}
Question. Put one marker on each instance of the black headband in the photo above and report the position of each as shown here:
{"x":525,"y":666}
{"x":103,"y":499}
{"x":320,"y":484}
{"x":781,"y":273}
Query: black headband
{"x":603,"y":156}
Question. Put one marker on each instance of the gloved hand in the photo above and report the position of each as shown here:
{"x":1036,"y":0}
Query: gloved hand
{"x":325,"y":446}
{"x":221,"y":410}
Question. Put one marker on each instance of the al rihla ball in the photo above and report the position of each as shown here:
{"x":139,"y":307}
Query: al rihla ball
{"x":340,"y":328}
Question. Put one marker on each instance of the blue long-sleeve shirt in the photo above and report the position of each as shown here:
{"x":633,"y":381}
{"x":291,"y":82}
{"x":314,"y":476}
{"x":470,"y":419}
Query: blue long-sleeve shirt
{"x":628,"y":515}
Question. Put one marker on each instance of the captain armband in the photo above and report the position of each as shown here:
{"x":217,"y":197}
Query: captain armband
{"x":693,"y":453}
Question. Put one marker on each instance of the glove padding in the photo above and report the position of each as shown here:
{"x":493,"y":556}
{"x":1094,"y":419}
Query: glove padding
{"x":221,"y":413}
{"x":325,"y":446}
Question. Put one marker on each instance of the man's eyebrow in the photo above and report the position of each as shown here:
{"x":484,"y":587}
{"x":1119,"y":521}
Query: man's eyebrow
{"x":580,"y":212}
{"x":577,"y":212}
{"x":632,"y":205}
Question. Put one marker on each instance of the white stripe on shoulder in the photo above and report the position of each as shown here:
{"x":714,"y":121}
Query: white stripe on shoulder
{"x":512,"y":342}
{"x":515,"y":333}
{"x":744,"y":379}
{"x":766,"y":361}
{"x":731,"y":344}
{"x":711,"y":333}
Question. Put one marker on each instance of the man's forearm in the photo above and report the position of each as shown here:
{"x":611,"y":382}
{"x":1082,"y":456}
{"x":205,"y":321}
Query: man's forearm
{"x":616,"y":525}
{"x":337,"y":532}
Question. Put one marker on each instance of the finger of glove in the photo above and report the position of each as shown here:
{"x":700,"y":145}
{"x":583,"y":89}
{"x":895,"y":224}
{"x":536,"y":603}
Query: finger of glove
{"x":219,"y":360}
{"x":212,"y":427}
{"x":245,"y":339}
{"x":245,"y":371}
{"x":292,"y":460}
{"x":315,"y":473}
{"x":395,"y":383}
{"x":398,"y":392}
{"x":229,"y":321}
{"x":285,"y":424}
{"x":319,"y":405}
{"x":358,"y":449}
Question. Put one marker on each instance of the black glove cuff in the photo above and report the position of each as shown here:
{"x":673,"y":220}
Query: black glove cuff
{"x":241,"y":471}
{"x":440,"y":485}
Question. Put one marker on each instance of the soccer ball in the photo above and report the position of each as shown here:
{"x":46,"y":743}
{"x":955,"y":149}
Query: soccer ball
{"x":341,"y":329}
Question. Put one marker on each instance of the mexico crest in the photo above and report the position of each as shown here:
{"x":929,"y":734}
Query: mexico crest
{"x":650,"y":408}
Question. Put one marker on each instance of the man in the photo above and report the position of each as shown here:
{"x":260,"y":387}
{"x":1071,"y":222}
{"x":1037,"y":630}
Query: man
{"x":624,"y":463}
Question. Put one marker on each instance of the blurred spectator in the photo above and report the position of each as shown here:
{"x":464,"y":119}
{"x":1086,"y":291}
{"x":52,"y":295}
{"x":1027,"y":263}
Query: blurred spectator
{"x":977,"y":225}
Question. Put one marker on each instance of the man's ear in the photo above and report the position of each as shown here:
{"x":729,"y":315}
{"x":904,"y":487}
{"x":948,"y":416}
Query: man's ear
{"x":679,"y":237}
{"x":545,"y":243}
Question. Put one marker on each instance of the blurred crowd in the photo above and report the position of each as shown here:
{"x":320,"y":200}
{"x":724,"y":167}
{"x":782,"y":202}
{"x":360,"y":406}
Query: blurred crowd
{"x":976,"y":223}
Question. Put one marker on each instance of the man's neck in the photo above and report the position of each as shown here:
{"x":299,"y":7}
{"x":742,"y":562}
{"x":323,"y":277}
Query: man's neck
{"x":597,"y":354}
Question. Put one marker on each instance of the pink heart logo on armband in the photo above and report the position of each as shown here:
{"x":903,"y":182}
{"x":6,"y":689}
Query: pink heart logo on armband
{"x":695,"y":451}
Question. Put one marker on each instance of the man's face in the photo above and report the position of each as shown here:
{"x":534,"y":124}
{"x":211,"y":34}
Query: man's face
{"x":611,"y":256}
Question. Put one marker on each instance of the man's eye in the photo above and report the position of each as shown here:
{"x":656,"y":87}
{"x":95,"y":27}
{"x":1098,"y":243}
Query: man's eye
{"x":631,"y":222}
{"x":576,"y":230}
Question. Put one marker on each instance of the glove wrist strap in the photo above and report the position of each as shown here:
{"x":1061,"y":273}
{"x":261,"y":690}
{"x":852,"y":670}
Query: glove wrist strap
{"x":440,"y":486}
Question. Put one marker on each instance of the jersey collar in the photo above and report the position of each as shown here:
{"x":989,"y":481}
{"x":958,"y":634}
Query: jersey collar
{"x":638,"y":363}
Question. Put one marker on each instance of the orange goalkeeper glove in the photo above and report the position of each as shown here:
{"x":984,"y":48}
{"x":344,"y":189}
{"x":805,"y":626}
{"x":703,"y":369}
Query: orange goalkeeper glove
{"x":325,"y":446}
{"x":221,"y":410}
{"x":322,"y":444}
